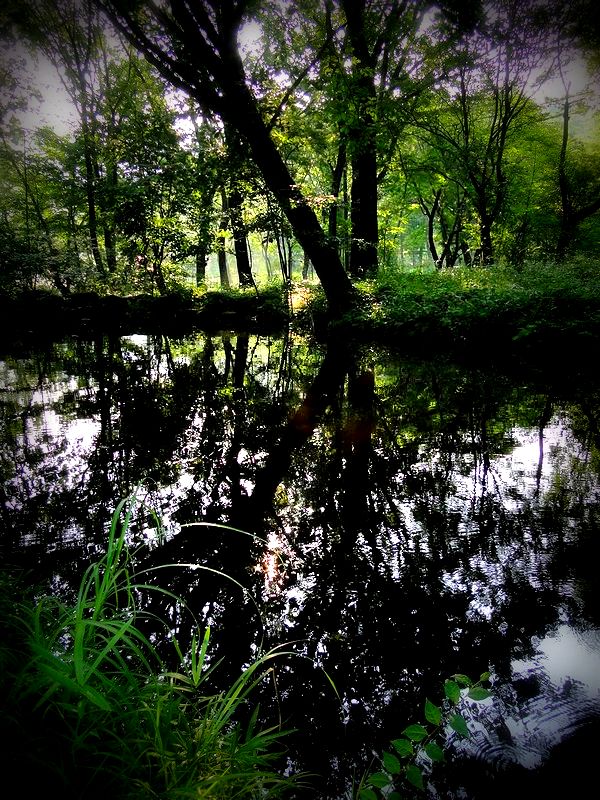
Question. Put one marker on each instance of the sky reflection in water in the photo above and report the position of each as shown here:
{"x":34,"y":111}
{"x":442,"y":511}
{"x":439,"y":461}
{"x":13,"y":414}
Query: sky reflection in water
{"x":420,"y":519}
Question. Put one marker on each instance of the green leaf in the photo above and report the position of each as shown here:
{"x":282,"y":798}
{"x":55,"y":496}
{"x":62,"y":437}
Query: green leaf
{"x":403,"y":746}
{"x":485,"y":676}
{"x":394,"y":796}
{"x":458,"y":724}
{"x":391,"y":763}
{"x":479,"y":693}
{"x":452,"y":691}
{"x":433,"y":713}
{"x":415,"y":732}
{"x":379,"y":779}
{"x":414,"y":776}
{"x":464,"y":680}
{"x":434,"y":751}
{"x":367,"y":794}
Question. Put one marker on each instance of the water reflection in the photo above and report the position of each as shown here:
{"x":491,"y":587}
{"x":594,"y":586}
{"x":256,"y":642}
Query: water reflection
{"x":415,"y":520}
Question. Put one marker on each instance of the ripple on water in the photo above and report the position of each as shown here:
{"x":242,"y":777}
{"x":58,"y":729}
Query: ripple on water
{"x":538,"y":736}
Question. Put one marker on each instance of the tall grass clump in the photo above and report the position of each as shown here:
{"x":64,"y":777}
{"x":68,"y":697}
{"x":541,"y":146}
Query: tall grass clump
{"x":90,"y":708}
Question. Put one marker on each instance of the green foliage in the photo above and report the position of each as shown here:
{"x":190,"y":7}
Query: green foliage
{"x":248,"y":306}
{"x":131,"y":200}
{"x":538,"y":303}
{"x":91,"y":707}
{"x":422,"y":744}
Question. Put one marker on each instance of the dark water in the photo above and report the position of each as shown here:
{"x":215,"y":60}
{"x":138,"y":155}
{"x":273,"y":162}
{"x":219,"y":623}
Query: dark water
{"x":419,"y":519}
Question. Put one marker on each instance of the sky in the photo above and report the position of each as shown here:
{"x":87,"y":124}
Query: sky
{"x":55,"y":109}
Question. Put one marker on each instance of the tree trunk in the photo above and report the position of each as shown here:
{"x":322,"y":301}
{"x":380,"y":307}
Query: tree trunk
{"x":281,"y":253}
{"x":566,"y":210}
{"x":345,"y":244}
{"x":90,"y":189}
{"x":157,"y":270}
{"x":221,"y":254}
{"x":110,"y":248}
{"x":363,"y":210}
{"x":466,"y":253}
{"x":243,"y":113}
{"x":336,"y":183}
{"x":487,"y":248}
{"x":108,"y":225}
{"x":240,"y":244}
{"x":306,"y":267}
{"x":362,"y":147}
{"x":430,"y":214}
{"x":200,"y":264}
{"x":267,"y":259}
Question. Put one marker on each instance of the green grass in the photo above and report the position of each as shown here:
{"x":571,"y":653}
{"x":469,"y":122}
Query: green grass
{"x":538,"y":305}
{"x":578,"y":279}
{"x":89,"y":707}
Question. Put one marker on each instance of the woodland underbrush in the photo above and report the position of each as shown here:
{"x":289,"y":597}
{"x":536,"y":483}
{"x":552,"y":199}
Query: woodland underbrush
{"x":534,"y":308}
{"x":500,"y":309}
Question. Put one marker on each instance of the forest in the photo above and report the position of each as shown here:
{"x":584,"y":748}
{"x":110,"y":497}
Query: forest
{"x":246,"y":144}
{"x":299,"y":399}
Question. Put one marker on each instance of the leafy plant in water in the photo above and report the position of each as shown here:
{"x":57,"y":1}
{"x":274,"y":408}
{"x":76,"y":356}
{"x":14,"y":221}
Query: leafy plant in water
{"x":400,"y":774}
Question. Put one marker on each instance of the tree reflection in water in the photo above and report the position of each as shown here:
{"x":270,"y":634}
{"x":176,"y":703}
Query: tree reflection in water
{"x":421,"y":519}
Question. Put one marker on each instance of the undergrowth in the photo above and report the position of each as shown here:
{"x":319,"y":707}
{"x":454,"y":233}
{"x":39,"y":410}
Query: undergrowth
{"x":498,"y":307}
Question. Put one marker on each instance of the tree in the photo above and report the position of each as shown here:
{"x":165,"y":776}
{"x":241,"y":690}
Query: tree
{"x":40,"y":206}
{"x":578,"y":186}
{"x":148,"y":180}
{"x":441,"y":199}
{"x":482,"y":108}
{"x":208,"y":156}
{"x":574,"y":33}
{"x":69,"y":33}
{"x":195,"y":47}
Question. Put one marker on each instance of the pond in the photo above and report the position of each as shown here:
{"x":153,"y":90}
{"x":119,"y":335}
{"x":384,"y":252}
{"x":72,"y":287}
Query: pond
{"x":411,"y":519}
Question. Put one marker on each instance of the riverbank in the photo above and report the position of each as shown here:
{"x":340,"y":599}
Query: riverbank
{"x":538,"y":311}
{"x":48,"y":314}
{"x":542,"y":312}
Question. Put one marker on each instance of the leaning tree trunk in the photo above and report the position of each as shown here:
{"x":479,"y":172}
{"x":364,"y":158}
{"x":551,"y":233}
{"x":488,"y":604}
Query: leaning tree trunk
{"x":204,"y":61}
{"x":242,"y":112}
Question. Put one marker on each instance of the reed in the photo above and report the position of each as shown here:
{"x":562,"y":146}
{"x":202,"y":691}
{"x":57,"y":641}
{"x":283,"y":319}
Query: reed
{"x":90,"y":706}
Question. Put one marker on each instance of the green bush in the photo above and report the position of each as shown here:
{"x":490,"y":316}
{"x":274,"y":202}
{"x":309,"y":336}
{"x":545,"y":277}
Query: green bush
{"x":502,"y":307}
